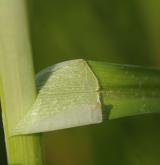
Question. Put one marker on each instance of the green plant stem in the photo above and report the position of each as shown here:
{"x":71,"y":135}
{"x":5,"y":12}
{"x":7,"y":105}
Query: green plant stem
{"x":17,"y":85}
{"x":3,"y":159}
{"x":128,"y":90}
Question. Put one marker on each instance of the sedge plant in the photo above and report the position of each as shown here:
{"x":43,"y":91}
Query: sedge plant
{"x":70,"y":94}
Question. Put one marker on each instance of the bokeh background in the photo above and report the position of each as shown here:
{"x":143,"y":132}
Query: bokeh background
{"x":126,"y":31}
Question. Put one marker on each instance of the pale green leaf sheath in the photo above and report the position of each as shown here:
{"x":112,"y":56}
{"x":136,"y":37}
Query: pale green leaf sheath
{"x":68,"y":97}
{"x":17,"y":84}
{"x":70,"y":92}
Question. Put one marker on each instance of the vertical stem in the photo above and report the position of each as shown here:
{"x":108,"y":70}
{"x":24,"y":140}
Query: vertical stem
{"x":17,"y":85}
{"x":3,"y":159}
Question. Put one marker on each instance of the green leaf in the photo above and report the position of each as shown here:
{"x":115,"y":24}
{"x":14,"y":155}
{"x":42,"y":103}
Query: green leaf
{"x":128,"y":90}
{"x":69,"y":95}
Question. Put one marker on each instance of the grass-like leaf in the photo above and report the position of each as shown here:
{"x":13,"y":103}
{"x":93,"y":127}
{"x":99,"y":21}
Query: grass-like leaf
{"x":70,"y":92}
{"x":128,"y":90}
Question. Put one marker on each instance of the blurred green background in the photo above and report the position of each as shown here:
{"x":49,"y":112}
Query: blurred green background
{"x":126,"y":31}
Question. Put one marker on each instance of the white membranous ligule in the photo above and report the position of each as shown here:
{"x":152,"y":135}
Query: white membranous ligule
{"x":68,"y":97}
